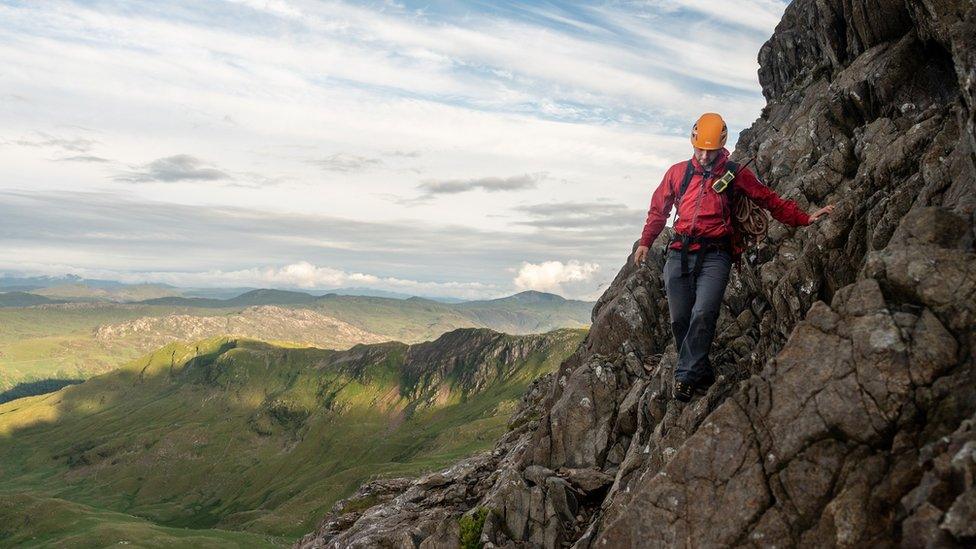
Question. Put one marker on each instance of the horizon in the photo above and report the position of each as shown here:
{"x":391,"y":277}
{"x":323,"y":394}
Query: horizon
{"x":350,"y":291}
{"x":396,"y":146}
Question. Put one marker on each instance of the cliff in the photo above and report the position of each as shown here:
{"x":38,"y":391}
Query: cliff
{"x":844,"y":412}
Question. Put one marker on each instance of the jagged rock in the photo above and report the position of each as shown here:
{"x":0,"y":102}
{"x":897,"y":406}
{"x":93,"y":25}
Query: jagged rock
{"x":587,"y":480}
{"x":843,"y":413}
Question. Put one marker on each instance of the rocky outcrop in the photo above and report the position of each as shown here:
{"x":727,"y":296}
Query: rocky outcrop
{"x":845,"y":409}
{"x":266,"y":322}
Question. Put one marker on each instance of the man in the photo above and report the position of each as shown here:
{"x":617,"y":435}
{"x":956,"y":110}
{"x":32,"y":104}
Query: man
{"x":700,"y":256}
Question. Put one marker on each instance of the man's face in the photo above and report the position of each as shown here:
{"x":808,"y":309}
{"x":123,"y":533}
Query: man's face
{"x":704,"y":157}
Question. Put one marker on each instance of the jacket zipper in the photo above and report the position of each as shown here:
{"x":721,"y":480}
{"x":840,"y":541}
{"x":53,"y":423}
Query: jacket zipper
{"x":698,"y":200}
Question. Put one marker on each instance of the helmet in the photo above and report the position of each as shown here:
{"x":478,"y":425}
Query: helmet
{"x":709,"y":132}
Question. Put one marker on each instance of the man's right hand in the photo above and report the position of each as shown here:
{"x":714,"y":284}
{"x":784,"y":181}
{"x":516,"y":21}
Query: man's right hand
{"x":640,"y":255}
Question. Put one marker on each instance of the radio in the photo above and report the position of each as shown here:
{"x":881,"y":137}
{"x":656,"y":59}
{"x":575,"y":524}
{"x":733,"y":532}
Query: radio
{"x":722,"y":183}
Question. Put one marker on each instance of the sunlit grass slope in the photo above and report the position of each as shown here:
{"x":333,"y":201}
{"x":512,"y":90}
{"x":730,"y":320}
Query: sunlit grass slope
{"x":243,"y":435}
{"x":30,"y":521}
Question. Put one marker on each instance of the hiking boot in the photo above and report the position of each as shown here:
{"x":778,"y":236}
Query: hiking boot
{"x":704,"y":383}
{"x":683,"y":391}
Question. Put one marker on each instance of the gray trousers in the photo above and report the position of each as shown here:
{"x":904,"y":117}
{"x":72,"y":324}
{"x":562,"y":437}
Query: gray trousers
{"x":694,"y":306}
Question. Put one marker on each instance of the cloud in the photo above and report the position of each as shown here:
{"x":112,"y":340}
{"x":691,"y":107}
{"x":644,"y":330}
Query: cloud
{"x":181,"y":167}
{"x":82,"y":158}
{"x":580,"y":215}
{"x":405,"y":154}
{"x":300,"y":275}
{"x":488,"y":184}
{"x":73,"y":144}
{"x":306,"y":275}
{"x":342,"y":162}
{"x":756,"y":15}
{"x":558,"y":277}
{"x":106,"y":231}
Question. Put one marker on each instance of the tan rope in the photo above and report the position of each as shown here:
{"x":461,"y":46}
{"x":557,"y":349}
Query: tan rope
{"x":752,"y":221}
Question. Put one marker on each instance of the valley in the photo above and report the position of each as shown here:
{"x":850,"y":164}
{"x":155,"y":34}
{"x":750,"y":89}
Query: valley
{"x":230,"y":435}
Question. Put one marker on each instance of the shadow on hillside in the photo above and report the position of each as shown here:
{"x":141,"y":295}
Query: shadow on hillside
{"x":198,"y":435}
{"x":33,"y":388}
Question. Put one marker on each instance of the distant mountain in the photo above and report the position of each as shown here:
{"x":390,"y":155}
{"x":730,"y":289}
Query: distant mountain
{"x":242,"y":435}
{"x":38,"y":282}
{"x":215,"y":293}
{"x":532,"y":296}
{"x":370,"y":292}
{"x":528,"y":312}
{"x":117,"y":292}
{"x":417,"y":318}
{"x":24,"y":299}
{"x":33,"y":282}
{"x":248,"y":299}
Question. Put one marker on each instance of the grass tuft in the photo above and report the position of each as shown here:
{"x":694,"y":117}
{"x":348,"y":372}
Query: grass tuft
{"x":471,"y":526}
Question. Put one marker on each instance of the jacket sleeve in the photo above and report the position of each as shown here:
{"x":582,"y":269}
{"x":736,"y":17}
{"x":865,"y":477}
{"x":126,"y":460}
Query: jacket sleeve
{"x":785,"y":211}
{"x":657,"y":215}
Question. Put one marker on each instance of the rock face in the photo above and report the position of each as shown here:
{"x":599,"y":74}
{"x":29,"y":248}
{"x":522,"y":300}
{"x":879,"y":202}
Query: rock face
{"x":845,"y":410}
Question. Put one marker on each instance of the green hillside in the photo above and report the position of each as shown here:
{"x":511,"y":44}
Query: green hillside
{"x":59,"y":341}
{"x":230,"y":434}
{"x":23,"y":299}
{"x":78,"y":340}
{"x":409,"y":320}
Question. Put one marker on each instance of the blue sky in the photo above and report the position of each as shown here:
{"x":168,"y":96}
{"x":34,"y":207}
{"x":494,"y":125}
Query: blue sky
{"x":467,"y":149}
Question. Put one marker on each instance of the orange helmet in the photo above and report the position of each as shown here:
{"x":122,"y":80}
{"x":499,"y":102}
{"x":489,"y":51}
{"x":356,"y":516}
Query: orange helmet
{"x":709,"y":132}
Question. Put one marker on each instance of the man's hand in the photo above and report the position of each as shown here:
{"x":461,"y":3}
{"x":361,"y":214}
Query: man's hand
{"x":640,"y":255}
{"x":815,"y":216}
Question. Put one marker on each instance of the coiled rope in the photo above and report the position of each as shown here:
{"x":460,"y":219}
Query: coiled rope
{"x":752,"y":221}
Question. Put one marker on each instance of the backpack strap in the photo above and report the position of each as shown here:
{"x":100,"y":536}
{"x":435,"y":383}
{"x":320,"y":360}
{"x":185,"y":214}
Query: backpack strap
{"x":689,"y":171}
{"x":734,"y":168}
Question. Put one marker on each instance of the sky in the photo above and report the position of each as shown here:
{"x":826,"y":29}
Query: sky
{"x":460,"y":149}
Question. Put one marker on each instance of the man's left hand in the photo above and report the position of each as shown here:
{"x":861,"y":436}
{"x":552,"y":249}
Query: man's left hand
{"x":815,"y":216}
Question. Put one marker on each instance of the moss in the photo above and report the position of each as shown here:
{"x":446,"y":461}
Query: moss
{"x":471,"y":526}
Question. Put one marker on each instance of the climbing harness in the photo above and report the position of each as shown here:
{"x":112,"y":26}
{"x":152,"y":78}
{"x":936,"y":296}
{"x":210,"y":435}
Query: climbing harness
{"x":750,"y":222}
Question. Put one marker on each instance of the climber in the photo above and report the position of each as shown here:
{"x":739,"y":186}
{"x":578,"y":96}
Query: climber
{"x":703,"y":236}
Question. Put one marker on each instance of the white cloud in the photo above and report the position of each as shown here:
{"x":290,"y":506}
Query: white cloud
{"x":757,"y":15}
{"x":301,"y":275}
{"x":570,"y":278}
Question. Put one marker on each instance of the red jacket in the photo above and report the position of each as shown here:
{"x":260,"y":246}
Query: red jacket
{"x":704,"y":212}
